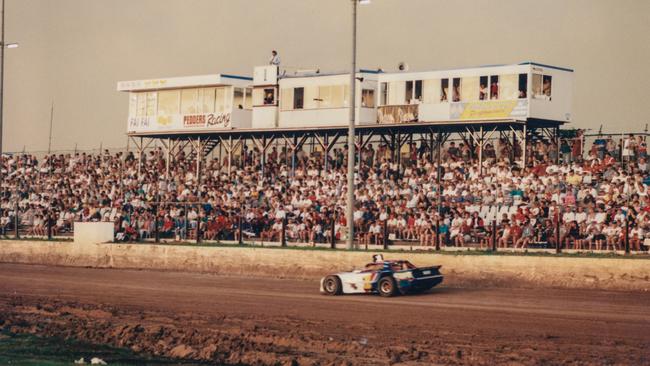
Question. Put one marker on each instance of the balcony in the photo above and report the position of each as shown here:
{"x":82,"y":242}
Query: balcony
{"x":397,"y":113}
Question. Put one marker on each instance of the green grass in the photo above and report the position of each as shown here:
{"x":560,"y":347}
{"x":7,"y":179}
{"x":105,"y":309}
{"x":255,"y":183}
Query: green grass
{"x":29,"y":350}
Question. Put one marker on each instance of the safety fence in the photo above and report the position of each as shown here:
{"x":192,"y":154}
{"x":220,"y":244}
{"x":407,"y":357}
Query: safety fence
{"x":488,"y":228}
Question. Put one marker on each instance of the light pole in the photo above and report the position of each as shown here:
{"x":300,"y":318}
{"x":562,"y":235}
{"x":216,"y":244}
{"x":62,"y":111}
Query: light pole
{"x":351,"y":145}
{"x":3,"y":45}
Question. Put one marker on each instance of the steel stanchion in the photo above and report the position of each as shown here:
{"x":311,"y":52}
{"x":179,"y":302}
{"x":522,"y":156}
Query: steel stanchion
{"x":16,"y":219}
{"x":437,"y":235}
{"x":385,"y":234}
{"x":49,"y":225}
{"x":494,"y":235}
{"x":241,"y":229}
{"x":333,"y":232}
{"x":284,"y":232}
{"x":627,"y":234}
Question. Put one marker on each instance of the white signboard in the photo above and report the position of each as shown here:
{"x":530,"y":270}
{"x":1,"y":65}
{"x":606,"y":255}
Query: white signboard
{"x":180,"y":122}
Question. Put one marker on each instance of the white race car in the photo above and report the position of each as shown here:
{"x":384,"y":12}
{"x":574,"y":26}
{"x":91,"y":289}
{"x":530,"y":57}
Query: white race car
{"x":386,"y":277}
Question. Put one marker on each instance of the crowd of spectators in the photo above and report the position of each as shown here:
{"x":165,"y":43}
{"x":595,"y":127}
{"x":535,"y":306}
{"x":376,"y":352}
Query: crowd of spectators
{"x":598,"y":195}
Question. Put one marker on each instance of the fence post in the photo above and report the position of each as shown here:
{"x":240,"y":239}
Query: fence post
{"x":333,"y":232}
{"x":437,"y":234}
{"x":494,"y":235}
{"x":187,"y":224}
{"x":558,"y":246}
{"x":283,"y":236}
{"x":198,"y":224}
{"x":156,"y":230}
{"x":241,"y":229}
{"x":385,"y":234}
{"x":49,"y":225}
{"x":627,"y":234}
{"x":16,"y":221}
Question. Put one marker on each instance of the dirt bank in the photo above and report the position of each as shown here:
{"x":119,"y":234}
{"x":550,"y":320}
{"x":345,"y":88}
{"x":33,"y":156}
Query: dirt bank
{"x":462,"y":270}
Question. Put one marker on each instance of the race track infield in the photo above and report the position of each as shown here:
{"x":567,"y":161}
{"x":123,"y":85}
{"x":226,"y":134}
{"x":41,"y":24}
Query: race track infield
{"x":258,"y":321}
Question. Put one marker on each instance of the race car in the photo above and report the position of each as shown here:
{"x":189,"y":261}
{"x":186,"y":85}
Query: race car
{"x":385,"y":277}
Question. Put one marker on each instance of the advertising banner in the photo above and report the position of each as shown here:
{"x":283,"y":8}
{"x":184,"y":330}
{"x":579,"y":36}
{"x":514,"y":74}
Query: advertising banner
{"x":164,"y":123}
{"x":489,"y":109}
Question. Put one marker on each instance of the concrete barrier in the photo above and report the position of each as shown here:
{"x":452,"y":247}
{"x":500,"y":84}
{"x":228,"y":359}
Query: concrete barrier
{"x":459,"y":269}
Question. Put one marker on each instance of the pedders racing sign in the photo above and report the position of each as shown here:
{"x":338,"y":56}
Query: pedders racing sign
{"x":210,"y":120}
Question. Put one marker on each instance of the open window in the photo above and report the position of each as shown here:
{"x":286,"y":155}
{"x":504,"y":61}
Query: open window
{"x":546,"y":86}
{"x":383,"y":92}
{"x":483,"y":88}
{"x":269,"y":96}
{"x":494,"y":87}
{"x":418,"y":90}
{"x":368,"y":98}
{"x":298,"y":98}
{"x":523,"y":86}
{"x":238,"y":98}
{"x":248,"y":99}
{"x":542,"y":85}
{"x":456,"y":90}
{"x":444,"y":90}
{"x":408,"y":94}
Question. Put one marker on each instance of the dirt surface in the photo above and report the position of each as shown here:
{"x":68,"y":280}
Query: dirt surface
{"x":256,"y":321}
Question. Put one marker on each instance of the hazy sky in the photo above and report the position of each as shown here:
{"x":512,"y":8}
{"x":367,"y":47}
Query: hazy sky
{"x":72,"y":52}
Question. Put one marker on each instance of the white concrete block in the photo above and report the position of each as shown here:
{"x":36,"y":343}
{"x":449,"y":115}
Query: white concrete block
{"x":93,"y":232}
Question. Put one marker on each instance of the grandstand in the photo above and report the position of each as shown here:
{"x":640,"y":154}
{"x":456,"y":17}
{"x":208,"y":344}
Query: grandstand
{"x":445,"y":159}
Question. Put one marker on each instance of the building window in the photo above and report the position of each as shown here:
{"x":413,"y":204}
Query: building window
{"x":408,"y":95}
{"x":368,"y":98}
{"x":383,"y":92}
{"x":418,"y":90}
{"x":542,"y":86}
{"x":523,"y":85}
{"x":546,"y":86}
{"x":444,"y":90}
{"x":457,"y":90}
{"x":206,"y":97}
{"x":248,"y":99}
{"x":220,"y":105}
{"x":269,"y":96}
{"x":494,"y":87}
{"x":189,"y":101}
{"x":168,"y":102}
{"x":298,"y":98}
{"x":483,"y":88}
{"x":238,"y":98}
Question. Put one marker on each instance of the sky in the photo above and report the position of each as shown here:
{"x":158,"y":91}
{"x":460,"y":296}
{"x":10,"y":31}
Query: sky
{"x":73,"y":52}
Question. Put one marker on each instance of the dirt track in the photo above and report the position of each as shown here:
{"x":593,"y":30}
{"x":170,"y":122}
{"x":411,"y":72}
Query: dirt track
{"x":267,"y":321}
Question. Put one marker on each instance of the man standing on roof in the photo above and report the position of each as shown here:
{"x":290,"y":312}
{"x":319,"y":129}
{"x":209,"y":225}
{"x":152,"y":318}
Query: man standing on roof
{"x":275,"y":59}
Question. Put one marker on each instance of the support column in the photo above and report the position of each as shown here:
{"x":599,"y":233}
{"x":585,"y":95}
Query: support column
{"x":525,"y":148}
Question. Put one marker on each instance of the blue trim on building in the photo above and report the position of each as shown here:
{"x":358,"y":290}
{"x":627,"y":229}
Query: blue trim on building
{"x":548,"y":66}
{"x":236,"y":77}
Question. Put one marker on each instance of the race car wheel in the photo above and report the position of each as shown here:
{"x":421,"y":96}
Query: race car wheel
{"x":387,"y":286}
{"x":332,"y":285}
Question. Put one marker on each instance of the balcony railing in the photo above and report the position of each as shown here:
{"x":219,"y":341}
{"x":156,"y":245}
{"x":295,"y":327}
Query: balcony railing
{"x":398,"y":113}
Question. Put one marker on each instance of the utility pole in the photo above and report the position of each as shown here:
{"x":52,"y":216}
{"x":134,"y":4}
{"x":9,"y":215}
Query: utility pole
{"x":351,"y":144}
{"x":49,"y":141}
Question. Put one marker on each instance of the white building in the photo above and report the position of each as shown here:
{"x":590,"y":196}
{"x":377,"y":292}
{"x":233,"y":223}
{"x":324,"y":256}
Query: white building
{"x":193,"y":103}
{"x":272,"y":100}
{"x":519,"y":92}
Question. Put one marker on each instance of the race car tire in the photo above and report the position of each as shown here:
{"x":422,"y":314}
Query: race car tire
{"x":332,"y":285}
{"x":387,"y":286}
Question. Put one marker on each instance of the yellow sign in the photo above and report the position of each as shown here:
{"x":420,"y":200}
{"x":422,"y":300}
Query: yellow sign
{"x":478,"y":110}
